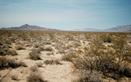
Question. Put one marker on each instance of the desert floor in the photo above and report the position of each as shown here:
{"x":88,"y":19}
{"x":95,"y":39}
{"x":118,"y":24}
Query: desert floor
{"x":57,"y":57}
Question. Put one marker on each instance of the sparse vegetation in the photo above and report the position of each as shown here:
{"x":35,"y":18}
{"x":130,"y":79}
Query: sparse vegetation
{"x":15,"y":77}
{"x":52,"y":62}
{"x":49,"y":48}
{"x":35,"y":54}
{"x":69,"y":56}
{"x":102,"y":59}
{"x":5,"y":50}
{"x":7,"y":62}
{"x":19,"y":47}
{"x":96,"y":56}
{"x":107,"y":38}
{"x":35,"y":75}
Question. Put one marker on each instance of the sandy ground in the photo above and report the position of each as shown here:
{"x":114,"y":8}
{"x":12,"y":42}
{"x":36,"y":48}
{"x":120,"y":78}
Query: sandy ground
{"x":63,"y":72}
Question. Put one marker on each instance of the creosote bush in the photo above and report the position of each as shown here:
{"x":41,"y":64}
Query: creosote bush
{"x":87,"y":76}
{"x":69,"y":56}
{"x":35,"y":75}
{"x":7,"y":62}
{"x":49,"y":48}
{"x":107,"y":38}
{"x":19,"y":47}
{"x":101,"y":59}
{"x":35,"y":54}
{"x":52,"y":62}
{"x":11,"y":52}
{"x":5,"y":49}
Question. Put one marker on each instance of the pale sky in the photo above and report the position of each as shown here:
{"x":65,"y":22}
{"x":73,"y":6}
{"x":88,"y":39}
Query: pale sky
{"x":65,"y":14}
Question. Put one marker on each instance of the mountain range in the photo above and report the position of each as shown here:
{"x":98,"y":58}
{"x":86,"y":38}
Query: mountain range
{"x":122,"y":28}
{"x":29,"y":27}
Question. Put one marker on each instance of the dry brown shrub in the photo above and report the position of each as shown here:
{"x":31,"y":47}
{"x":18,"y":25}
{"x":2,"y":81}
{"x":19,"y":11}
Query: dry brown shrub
{"x":35,"y":54}
{"x":52,"y":62}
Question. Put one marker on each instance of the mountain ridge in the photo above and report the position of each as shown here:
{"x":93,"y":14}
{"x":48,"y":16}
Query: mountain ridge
{"x":29,"y":27}
{"x":120,"y":28}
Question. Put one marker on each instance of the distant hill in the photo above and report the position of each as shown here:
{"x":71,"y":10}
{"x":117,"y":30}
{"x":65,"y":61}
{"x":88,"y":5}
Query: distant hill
{"x":122,"y":28}
{"x":29,"y":27}
{"x":87,"y":30}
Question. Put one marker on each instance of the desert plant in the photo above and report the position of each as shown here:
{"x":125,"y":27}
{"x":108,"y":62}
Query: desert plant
{"x":12,"y":52}
{"x":107,"y":38}
{"x":35,"y":54}
{"x":7,"y":62}
{"x":40,"y":64}
{"x":34,"y":68}
{"x":15,"y":77}
{"x":19,"y":47}
{"x":110,"y":64}
{"x":86,"y":76}
{"x":48,"y":48}
{"x":69,"y":56}
{"x":4,"y":49}
{"x":52,"y":62}
{"x":105,"y":65}
{"x":35,"y":77}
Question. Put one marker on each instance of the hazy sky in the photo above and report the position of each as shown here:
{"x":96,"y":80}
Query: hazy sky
{"x":65,"y":14}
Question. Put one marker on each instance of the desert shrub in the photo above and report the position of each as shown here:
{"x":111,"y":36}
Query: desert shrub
{"x":61,"y":51}
{"x":36,"y":45}
{"x":48,"y":48}
{"x":42,"y":48}
{"x":40,"y":64}
{"x":3,"y":52}
{"x":110,"y":68}
{"x":87,"y":76}
{"x":50,"y":53}
{"x":103,"y":60}
{"x":34,"y":68}
{"x":105,"y":65}
{"x":52,"y":62}
{"x":107,"y":38}
{"x":47,"y":42}
{"x":51,"y":35}
{"x":121,"y":48}
{"x":23,"y":64}
{"x":5,"y":49}
{"x":69,"y":57}
{"x":35,"y":54}
{"x":35,"y":77}
{"x":120,"y":42}
{"x":15,"y":77}
{"x":127,"y":56}
{"x":7,"y":62}
{"x":5,"y":40}
{"x":19,"y":47}
{"x":11,"y":52}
